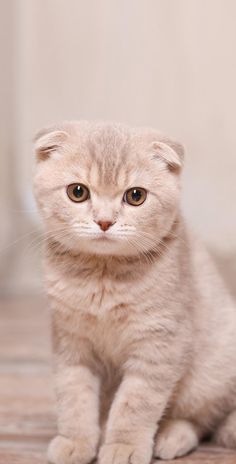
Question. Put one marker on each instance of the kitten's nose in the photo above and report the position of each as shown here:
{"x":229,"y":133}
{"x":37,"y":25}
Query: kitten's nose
{"x":104,"y":225}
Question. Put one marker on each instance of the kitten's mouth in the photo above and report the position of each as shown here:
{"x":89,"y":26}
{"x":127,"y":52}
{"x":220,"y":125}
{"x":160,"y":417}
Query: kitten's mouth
{"x":103,"y":237}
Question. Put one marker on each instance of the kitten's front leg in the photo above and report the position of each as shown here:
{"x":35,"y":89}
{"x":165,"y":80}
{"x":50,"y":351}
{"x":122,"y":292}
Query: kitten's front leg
{"x":132,"y":423}
{"x":78,"y":420}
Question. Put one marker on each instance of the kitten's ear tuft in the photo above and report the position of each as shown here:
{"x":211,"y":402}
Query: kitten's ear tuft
{"x":47,"y":142}
{"x":171,"y":152}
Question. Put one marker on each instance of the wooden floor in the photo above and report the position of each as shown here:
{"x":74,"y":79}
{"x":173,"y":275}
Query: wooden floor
{"x":27,"y":407}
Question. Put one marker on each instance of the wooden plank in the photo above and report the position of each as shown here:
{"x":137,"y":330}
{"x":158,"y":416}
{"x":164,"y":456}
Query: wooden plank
{"x":22,"y":456}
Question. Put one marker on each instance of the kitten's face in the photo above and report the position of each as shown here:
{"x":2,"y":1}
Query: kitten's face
{"x":106,"y":189}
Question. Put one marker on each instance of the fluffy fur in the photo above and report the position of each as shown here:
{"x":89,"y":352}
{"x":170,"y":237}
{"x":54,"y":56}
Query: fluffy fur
{"x":143,"y":328}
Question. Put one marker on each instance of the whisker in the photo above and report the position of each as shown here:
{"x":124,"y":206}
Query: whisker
{"x":40,"y":240}
{"x":18,"y":240}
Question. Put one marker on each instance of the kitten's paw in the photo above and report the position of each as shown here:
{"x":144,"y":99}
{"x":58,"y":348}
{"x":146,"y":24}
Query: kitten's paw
{"x":121,"y":453}
{"x":175,"y":439}
{"x":62,"y":450}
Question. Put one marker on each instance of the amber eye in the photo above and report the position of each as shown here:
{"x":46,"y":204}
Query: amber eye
{"x":77,"y":192}
{"x":135,"y":196}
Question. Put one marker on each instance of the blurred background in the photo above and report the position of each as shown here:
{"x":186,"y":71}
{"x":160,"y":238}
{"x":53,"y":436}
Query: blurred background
{"x":170,"y":64}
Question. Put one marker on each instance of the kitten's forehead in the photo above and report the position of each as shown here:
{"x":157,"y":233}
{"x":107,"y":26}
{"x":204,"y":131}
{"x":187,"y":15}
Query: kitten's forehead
{"x":111,"y":154}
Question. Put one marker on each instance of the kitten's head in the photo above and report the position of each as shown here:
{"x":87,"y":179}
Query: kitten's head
{"x":106,"y":188}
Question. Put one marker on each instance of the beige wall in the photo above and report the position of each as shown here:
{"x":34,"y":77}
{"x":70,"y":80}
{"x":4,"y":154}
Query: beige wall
{"x":166,"y":63}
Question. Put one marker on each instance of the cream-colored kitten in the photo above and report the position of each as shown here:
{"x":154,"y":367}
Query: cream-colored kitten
{"x":144,"y":331}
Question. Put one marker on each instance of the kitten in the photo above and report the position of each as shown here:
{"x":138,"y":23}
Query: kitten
{"x":143,"y":328}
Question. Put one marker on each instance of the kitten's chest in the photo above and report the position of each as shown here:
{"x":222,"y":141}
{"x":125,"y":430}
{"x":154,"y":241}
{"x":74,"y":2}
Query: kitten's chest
{"x":99,"y":317}
{"x":93,"y":291}
{"x":101,"y":309}
{"x":98,"y":312}
{"x":99,"y":296}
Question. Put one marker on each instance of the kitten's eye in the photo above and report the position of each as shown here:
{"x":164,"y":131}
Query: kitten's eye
{"x":135,"y":196}
{"x":77,"y":192}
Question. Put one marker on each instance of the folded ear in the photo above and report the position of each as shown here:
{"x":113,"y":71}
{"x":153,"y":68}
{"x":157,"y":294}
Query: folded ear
{"x":171,"y":152}
{"x":49,"y":141}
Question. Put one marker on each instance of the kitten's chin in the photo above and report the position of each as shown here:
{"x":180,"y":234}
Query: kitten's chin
{"x":104,"y":247}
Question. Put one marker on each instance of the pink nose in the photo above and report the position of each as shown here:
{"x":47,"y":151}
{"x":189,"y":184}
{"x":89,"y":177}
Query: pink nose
{"x":104,"y":225}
